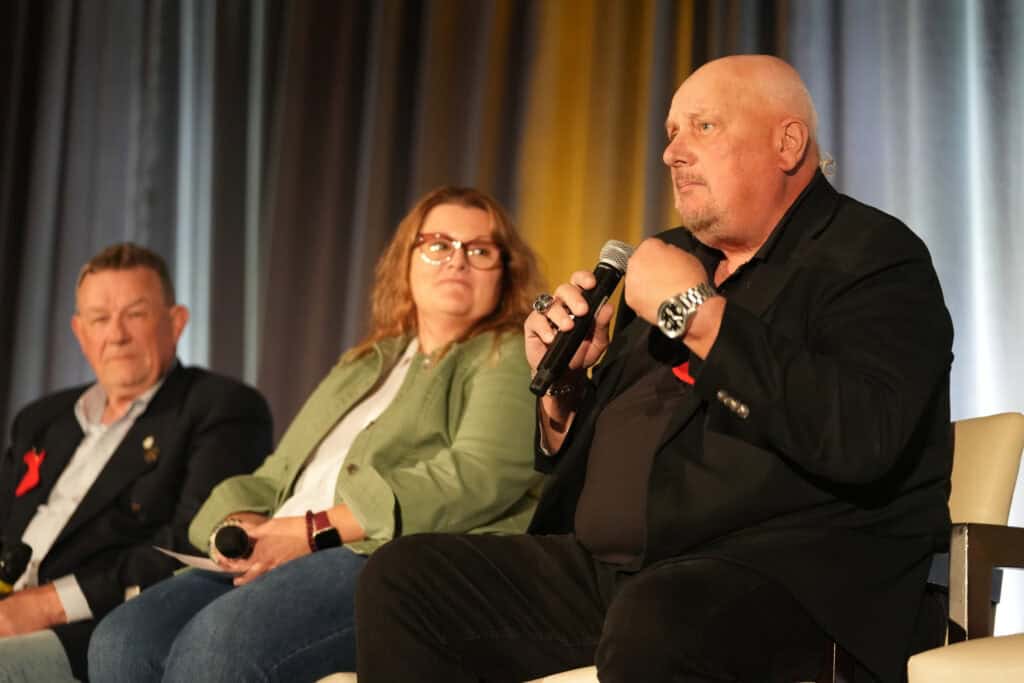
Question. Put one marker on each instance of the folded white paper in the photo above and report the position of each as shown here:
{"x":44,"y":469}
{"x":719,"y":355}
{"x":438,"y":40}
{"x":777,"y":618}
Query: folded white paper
{"x":197,"y":561}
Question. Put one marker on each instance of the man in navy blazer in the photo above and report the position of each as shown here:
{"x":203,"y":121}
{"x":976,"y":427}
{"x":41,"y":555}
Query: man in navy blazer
{"x":95,"y":476}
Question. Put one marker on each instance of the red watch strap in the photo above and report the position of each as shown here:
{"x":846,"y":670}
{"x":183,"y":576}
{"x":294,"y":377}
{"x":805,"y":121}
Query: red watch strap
{"x":309,"y":531}
{"x":321,"y":521}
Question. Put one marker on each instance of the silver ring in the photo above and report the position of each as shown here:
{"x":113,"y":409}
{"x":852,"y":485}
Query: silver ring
{"x":543,"y":302}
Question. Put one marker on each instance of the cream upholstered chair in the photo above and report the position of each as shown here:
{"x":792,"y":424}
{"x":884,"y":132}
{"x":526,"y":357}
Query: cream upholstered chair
{"x":985,"y":469}
{"x":986,"y":459}
{"x":985,"y":465}
{"x":988,"y":660}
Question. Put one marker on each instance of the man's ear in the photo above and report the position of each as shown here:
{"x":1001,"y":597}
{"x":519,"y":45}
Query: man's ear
{"x":179,"y":318}
{"x":793,"y":142}
{"x":76,"y":328}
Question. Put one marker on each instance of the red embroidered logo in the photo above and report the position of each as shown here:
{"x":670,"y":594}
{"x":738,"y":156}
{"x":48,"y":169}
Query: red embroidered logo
{"x":33,"y":459}
{"x":682,"y":373}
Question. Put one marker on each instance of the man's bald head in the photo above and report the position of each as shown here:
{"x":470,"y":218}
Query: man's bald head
{"x":765,"y":83}
{"x":742,"y":146}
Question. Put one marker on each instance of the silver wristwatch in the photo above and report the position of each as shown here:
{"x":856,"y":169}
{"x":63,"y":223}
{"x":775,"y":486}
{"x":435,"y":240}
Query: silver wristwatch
{"x":676,"y":313}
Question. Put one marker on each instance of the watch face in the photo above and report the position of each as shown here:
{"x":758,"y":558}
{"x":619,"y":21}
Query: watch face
{"x":672,"y":319}
{"x":327,"y":538}
{"x":675,"y":314}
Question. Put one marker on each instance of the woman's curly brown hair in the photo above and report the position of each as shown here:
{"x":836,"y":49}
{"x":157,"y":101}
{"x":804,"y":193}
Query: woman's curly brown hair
{"x":393,"y":310}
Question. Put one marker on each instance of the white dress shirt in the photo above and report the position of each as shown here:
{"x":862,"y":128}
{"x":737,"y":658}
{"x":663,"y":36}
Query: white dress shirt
{"x":84,"y":467}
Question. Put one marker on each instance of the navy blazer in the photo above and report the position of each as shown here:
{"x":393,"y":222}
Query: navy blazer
{"x":835,"y":480}
{"x":198,"y":429}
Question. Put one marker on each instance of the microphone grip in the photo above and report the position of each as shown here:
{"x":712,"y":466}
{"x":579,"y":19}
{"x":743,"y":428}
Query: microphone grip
{"x":556,"y":359}
{"x":558,"y":355}
{"x":14,"y":559}
{"x":232,"y":542}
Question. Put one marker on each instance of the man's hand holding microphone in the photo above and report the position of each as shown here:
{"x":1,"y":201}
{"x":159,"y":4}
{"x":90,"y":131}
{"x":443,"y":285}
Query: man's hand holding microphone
{"x":568,"y":332}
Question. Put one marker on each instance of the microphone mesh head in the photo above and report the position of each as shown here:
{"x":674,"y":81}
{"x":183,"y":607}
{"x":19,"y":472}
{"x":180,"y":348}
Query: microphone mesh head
{"x":616,"y":254}
{"x":231,"y":542}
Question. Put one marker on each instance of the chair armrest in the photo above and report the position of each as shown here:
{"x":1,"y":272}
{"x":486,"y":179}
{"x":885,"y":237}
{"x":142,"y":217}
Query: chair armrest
{"x":974,"y":551}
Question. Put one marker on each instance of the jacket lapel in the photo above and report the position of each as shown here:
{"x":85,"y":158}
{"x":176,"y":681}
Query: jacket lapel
{"x":62,"y":439}
{"x":808,"y":219}
{"x":129,"y":461}
{"x":809,"y":216}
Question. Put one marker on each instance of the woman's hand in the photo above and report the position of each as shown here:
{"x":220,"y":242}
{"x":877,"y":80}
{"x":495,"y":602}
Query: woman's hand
{"x":248,"y":522}
{"x":275,"y":542}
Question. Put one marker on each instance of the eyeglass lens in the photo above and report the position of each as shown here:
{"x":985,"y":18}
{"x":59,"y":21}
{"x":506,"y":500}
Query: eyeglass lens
{"x":438,"y":249}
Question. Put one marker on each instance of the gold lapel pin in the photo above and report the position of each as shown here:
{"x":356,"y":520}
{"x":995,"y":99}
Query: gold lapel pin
{"x":151,"y":451}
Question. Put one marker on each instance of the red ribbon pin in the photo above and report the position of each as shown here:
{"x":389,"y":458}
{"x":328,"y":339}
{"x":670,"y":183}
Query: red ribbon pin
{"x":682,"y":373}
{"x":33,"y":459}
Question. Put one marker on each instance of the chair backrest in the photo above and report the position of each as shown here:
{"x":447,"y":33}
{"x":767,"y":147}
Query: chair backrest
{"x":986,"y":458}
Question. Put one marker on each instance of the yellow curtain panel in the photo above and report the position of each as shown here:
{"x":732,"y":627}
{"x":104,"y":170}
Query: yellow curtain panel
{"x":584,"y":170}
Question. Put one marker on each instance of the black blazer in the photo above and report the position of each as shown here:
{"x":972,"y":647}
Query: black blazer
{"x":204,"y":428}
{"x":836,"y":482}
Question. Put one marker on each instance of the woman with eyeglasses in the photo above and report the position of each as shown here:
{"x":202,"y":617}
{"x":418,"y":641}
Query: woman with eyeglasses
{"x":427,"y":425}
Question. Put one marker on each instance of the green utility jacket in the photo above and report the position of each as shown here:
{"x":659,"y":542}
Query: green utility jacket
{"x":453,"y":452}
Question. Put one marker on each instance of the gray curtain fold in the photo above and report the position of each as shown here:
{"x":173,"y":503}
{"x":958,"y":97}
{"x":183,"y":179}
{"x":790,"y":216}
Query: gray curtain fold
{"x":319,"y":132}
{"x":232,"y":155}
{"x":82,"y":177}
{"x":20,"y":68}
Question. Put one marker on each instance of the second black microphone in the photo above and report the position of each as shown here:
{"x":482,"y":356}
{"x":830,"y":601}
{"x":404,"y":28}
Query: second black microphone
{"x":232,"y":542}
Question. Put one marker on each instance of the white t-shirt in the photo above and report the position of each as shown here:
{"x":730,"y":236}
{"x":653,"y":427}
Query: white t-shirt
{"x":315,"y":487}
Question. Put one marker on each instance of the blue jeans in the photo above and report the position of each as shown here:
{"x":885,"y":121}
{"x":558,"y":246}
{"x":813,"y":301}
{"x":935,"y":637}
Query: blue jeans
{"x":294,"y":623}
{"x":36,"y":657}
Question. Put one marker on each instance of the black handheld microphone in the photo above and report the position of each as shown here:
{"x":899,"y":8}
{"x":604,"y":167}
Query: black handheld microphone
{"x":232,"y":542}
{"x":14,"y":560}
{"x":610,"y":269}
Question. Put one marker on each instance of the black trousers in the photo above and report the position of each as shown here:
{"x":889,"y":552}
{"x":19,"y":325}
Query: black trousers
{"x":445,"y":608}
